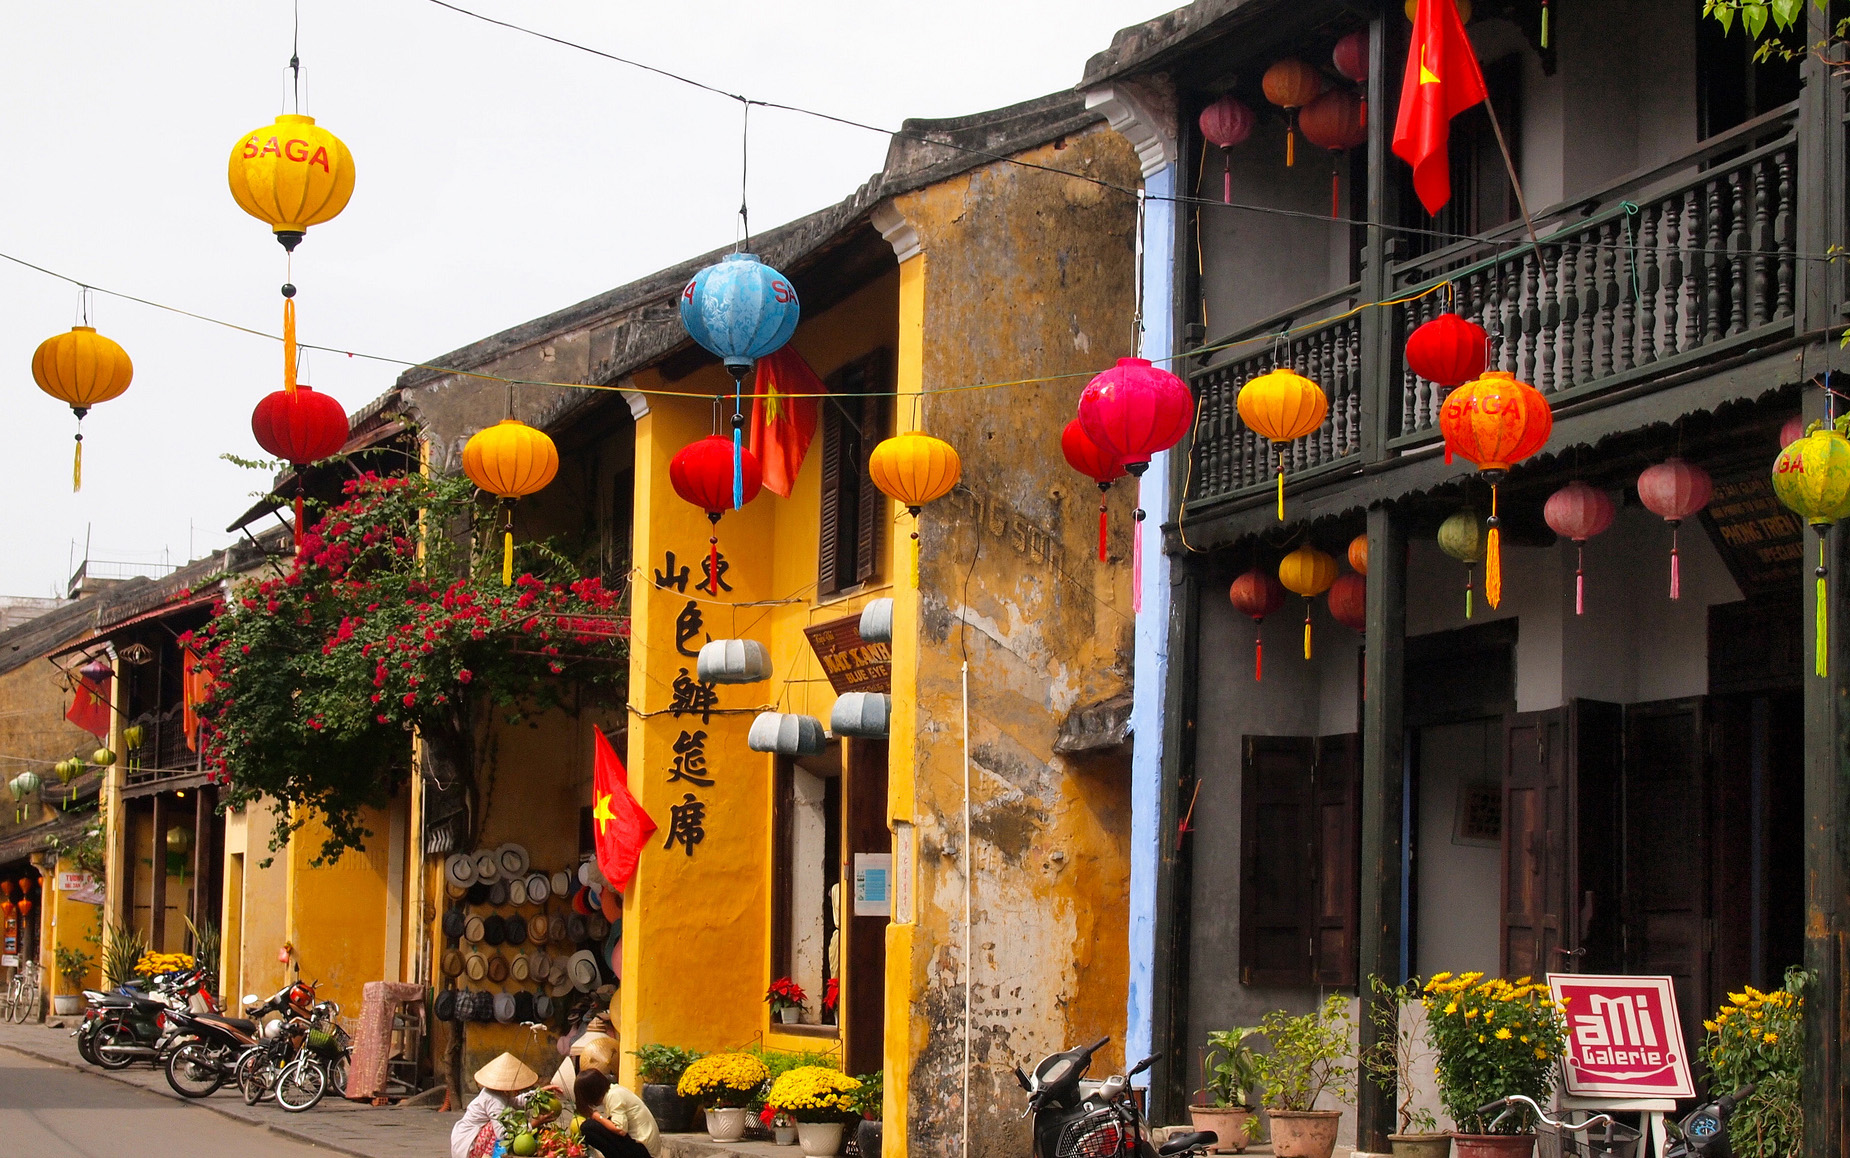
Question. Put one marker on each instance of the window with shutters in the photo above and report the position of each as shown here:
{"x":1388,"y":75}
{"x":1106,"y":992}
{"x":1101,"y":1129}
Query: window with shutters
{"x":1300,"y":860}
{"x":854,"y":420}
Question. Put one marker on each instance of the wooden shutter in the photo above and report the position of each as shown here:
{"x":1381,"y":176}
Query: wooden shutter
{"x":1277,"y":842}
{"x":1338,"y":802}
{"x":1596,"y":783}
{"x":827,"y":580}
{"x":1666,"y":851}
{"x":1536,"y":931}
{"x":872,"y":509}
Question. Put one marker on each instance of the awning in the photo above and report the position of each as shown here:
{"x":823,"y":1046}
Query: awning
{"x":68,"y":826}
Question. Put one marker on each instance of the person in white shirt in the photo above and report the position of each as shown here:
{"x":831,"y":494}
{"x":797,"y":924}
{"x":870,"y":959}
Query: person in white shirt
{"x":505,"y":1083}
{"x":619,"y":1106}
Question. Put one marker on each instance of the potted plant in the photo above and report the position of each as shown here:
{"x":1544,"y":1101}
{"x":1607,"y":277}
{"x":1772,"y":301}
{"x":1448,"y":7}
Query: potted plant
{"x":725,"y":1083}
{"x":659,"y":1069}
{"x":1760,"y":1038}
{"x":786,"y":999}
{"x":1400,"y":1051}
{"x":867,"y":1103}
{"x":782,"y":1126}
{"x":1230,"y":1070}
{"x":1494,"y":1038}
{"x":1306,"y":1062}
{"x":822,"y":1100}
{"x":74,"y":967}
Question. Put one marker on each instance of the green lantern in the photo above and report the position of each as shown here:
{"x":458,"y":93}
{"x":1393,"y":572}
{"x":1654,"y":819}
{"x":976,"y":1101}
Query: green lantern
{"x":1463,"y":537}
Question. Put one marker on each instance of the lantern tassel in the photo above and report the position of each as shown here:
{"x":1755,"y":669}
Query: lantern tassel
{"x":1226,"y":177}
{"x":1258,"y":651}
{"x":1676,"y":577}
{"x":298,"y":516}
{"x":738,"y":469}
{"x":1281,"y":489}
{"x":1470,"y":574}
{"x":1291,"y":142}
{"x":1336,"y":192}
{"x":1137,"y":563}
{"x":1101,"y":530}
{"x":1580,"y":580}
{"x":1307,"y":629}
{"x":915,"y":560}
{"x":1493,"y":557}
{"x":289,"y":354}
{"x":1544,"y":23}
{"x":1822,"y":614}
{"x":507,"y":558}
{"x":77,"y":465}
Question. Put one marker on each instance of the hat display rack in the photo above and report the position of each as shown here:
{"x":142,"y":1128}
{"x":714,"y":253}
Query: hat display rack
{"x":521,"y":943}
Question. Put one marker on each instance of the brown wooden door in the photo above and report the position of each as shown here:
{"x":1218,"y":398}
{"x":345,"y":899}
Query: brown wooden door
{"x":1665,"y":913}
{"x":1277,"y":901}
{"x":1597,"y":782}
{"x":1538,"y":934}
{"x":1337,"y":791}
{"x":864,"y":805}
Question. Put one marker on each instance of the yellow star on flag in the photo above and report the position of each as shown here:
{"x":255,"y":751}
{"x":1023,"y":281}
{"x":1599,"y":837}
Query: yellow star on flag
{"x":1427,"y":75}
{"x":600,"y":812}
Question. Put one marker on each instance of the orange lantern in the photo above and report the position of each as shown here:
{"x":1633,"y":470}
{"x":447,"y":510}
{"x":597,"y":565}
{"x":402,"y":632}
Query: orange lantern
{"x":1336,"y":121}
{"x":1291,"y":84}
{"x":1358,"y":554}
{"x":1495,"y":421}
{"x":1307,"y":572}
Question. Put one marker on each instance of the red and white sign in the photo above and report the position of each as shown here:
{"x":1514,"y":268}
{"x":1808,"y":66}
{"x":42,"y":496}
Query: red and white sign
{"x":1623,"y":1037}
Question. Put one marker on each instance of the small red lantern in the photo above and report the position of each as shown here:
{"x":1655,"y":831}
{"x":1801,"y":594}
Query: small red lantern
{"x":1335,"y":121}
{"x":1674,"y":490}
{"x":1226,"y":123}
{"x":1257,"y":594}
{"x":1084,"y":456}
{"x":1495,"y":422}
{"x":702,"y":475}
{"x":1291,"y":84}
{"x":1348,"y":599}
{"x":1579,"y":512}
{"x":1351,"y":56}
{"x":299,"y":426}
{"x":1448,"y":351}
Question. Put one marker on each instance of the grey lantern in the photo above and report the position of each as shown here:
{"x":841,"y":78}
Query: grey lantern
{"x":867,"y":714}
{"x":786,"y":733}
{"x":734,"y":661}
{"x":877,"y":621}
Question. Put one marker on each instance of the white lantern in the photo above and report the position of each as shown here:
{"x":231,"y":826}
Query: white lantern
{"x":787,"y":734}
{"x":877,"y":621}
{"x":734,"y":661}
{"x":867,"y":714}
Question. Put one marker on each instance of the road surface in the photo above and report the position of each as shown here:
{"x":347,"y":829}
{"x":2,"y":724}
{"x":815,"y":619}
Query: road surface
{"x":52,"y":1111}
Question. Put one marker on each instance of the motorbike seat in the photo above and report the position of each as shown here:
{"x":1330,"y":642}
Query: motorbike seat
{"x":1182,"y":1143}
{"x":242,"y":1026}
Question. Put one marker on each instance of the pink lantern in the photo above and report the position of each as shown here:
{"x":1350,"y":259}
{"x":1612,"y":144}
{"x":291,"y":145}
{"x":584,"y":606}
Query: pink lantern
{"x":1579,"y":512}
{"x":1226,"y":123}
{"x":1674,"y":490}
{"x":1351,"y":56}
{"x":1131,"y":412}
{"x":1792,"y":431}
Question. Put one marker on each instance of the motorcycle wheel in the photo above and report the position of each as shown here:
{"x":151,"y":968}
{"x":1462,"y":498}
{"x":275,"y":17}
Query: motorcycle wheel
{"x":86,"y":1045}
{"x":302,"y":1085}
{"x":113,"y":1035}
{"x":194,"y":1071}
{"x":256,"y":1076}
{"x":337,"y":1074}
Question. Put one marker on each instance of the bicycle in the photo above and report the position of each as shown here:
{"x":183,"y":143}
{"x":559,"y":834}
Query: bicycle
{"x":1617,"y":1140}
{"x":22,"y":997}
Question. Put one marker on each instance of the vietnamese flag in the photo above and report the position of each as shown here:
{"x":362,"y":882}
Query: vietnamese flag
{"x":90,"y":699}
{"x":620,"y":824}
{"x":1442,"y":80}
{"x":783,"y":423}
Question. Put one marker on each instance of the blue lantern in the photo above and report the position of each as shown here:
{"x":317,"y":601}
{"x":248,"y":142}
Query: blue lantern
{"x":740,"y":309}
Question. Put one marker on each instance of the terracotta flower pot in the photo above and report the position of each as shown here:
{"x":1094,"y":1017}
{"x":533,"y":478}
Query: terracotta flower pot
{"x":726,"y":1125}
{"x":1495,"y":1145}
{"x":1304,"y":1133}
{"x":1229,"y":1124}
{"x":1421,"y":1145}
{"x":819,"y":1139}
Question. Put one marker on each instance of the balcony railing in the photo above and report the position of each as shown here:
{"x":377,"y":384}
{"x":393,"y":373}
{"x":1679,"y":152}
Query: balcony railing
{"x":163,"y":753}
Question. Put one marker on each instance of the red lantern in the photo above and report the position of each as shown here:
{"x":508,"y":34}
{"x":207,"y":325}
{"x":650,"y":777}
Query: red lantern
{"x":1579,"y":512}
{"x":1291,"y":84}
{"x":1495,"y":422}
{"x":1792,"y":431}
{"x":1349,"y":601}
{"x":1351,"y":56}
{"x":299,"y":426}
{"x":1084,"y":456}
{"x":1448,"y":351}
{"x":25,"y":907}
{"x":1674,"y":490}
{"x":1335,"y":121}
{"x":1133,"y":411}
{"x":1226,"y":123}
{"x":702,"y":475}
{"x":1257,"y":594}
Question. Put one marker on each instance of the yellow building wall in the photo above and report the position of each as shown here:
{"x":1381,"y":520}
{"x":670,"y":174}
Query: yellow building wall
{"x":336,"y":912}
{"x":72,"y":925}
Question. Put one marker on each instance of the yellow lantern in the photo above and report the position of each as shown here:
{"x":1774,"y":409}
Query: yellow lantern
{"x":81,"y":369}
{"x":510,"y":460}
{"x":1283,"y":406}
{"x":1307,"y":572}
{"x":291,"y":174}
{"x":915,"y":469}
{"x":1812,"y":477}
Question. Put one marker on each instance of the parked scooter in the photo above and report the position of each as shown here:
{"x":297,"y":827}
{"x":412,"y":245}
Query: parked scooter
{"x":215,"y":1043}
{"x":1704,"y":1133}
{"x":129,"y":1024}
{"x":1074,"y":1118}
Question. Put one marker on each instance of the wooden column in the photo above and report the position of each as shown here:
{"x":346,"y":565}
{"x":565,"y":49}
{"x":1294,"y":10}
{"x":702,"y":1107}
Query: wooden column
{"x":1378,"y":382}
{"x":1170,"y":1075}
{"x":157,"y":874}
{"x":1383,"y":740}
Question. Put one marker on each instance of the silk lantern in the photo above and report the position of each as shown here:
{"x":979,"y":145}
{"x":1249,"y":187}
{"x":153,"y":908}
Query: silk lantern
{"x":1226,"y":123}
{"x":1792,"y":431}
{"x":290,"y":175}
{"x":1350,"y":56}
{"x":510,"y":460}
{"x":1335,"y":121}
{"x":739,"y":309}
{"x":1358,"y":554}
{"x":299,"y":426}
{"x":1812,"y":478}
{"x":1348,"y":601}
{"x":1307,"y":572}
{"x":1134,"y":411}
{"x":1291,"y":84}
{"x":1674,"y":490}
{"x":1448,"y":351}
{"x":1282,"y":406}
{"x":707,"y":474}
{"x":1579,"y":512}
{"x":1494,"y":422}
{"x":1257,"y":594}
{"x":1462,"y":537}
{"x":1084,"y":456}
{"x":915,"y":469}
{"x":81,"y":369}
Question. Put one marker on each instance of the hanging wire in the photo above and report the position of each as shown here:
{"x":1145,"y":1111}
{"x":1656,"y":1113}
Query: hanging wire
{"x":745,"y":162}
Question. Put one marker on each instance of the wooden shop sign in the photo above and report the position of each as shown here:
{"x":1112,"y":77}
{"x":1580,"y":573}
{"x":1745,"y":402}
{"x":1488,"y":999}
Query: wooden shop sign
{"x":851,"y":663}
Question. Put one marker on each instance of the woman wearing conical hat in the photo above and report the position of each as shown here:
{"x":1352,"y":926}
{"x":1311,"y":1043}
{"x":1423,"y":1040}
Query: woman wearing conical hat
{"x":505,"y":1082}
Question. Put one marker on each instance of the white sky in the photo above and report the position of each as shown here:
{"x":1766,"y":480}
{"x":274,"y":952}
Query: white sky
{"x":499,"y":178}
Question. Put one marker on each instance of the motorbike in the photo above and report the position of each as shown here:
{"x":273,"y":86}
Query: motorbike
{"x":1076,"y":1118}
{"x":1704,"y":1132}
{"x":214,"y":1045}
{"x":129,"y":1024}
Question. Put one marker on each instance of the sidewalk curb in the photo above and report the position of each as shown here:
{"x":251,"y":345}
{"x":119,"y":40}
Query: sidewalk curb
{"x":202,"y":1103}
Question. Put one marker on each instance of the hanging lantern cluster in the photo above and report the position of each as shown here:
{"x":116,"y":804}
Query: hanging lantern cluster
{"x":1225,"y":123}
{"x":510,"y":460}
{"x":1132,"y":412}
{"x":81,"y":369}
{"x":1812,"y":478}
{"x":1578,"y":512}
{"x":1495,"y":422}
{"x":1307,"y":572}
{"x":1084,"y":456}
{"x":1282,"y":406}
{"x":1462,"y":537}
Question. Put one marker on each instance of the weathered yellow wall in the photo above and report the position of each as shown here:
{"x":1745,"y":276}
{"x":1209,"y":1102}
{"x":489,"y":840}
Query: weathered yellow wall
{"x":72,"y":925}
{"x":337,"y":912}
{"x":1025,"y":273}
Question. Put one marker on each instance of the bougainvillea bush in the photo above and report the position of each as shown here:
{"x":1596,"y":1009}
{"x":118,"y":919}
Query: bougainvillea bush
{"x":392,"y":620}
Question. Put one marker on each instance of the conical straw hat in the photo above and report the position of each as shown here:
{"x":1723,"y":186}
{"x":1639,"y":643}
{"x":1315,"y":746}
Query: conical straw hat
{"x":506,"y":1072}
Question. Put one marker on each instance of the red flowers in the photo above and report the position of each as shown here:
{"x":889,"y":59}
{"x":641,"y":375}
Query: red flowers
{"x":785,"y":993}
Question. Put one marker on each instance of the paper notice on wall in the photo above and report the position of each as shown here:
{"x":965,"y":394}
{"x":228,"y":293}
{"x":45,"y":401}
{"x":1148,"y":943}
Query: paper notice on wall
{"x":9,"y":961}
{"x":83,"y":888}
{"x":873,"y":875}
{"x":903,"y":844}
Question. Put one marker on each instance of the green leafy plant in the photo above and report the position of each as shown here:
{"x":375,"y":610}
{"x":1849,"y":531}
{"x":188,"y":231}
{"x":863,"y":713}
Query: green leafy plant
{"x":74,"y":965}
{"x":83,"y":854}
{"x":1306,"y":1059}
{"x":1784,"y":17}
{"x":1399,"y":1051}
{"x":663,"y":1065}
{"x":1494,"y":1038}
{"x":1230,"y":1068}
{"x":392,"y":619}
{"x":1760,"y":1038}
{"x":867,"y":1099}
{"x":123,"y":948}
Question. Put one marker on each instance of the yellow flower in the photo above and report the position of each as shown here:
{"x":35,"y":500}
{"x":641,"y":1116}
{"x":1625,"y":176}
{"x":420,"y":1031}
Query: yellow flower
{"x":1709,"y":1025}
{"x":1438,"y":977}
{"x":1470,"y":1013}
{"x":1451,"y":1007}
{"x":1480,"y":1037}
{"x":1738,"y":998}
{"x":1770,"y":1038}
{"x":1504,"y":1035}
{"x":1541,"y":1053}
{"x":1524,"y":1039}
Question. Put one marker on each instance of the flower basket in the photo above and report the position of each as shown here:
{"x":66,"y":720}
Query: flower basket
{"x":1494,"y":1038}
{"x":815,"y":1094}
{"x":723,"y":1081}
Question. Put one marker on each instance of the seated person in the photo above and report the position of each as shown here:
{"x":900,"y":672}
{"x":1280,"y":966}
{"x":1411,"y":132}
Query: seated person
{"x":614,"y":1121}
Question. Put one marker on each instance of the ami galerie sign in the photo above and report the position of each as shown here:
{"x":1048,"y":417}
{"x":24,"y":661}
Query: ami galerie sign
{"x":1623,"y":1037}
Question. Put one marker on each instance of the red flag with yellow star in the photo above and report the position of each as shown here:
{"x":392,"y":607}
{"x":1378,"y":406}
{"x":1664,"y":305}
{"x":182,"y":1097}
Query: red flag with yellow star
{"x":1441,"y":81}
{"x":620,"y":824}
{"x":784,"y":395}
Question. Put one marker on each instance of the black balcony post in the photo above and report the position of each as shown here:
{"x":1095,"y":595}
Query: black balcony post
{"x":1169,"y":999}
{"x":1377,"y":324}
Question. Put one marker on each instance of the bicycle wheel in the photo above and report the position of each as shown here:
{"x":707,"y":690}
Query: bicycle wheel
{"x":302,"y":1084}
{"x":256,"y":1075}
{"x":194,"y":1071}
{"x":28,"y":1009}
{"x":116,"y":1035}
{"x":337,"y":1073}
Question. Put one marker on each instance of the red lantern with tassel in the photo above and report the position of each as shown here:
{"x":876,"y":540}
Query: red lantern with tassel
{"x":1494,"y":422}
{"x":1226,"y":123}
{"x":1350,"y":56}
{"x":1448,"y":351}
{"x":1133,"y":411}
{"x":1084,"y":456}
{"x":1579,"y":512}
{"x":299,"y":426}
{"x":1291,"y":84}
{"x":1673,"y":490}
{"x":1348,"y":600}
{"x":1335,"y":121}
{"x":1257,"y":594}
{"x":702,"y":475}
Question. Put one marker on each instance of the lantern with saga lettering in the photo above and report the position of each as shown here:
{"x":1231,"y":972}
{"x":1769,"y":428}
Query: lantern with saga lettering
{"x":81,"y":369}
{"x":510,"y":460}
{"x":1282,"y":406}
{"x":1812,"y":478}
{"x":1307,"y":572}
{"x":290,"y":175}
{"x":1673,"y":490}
{"x":1257,"y":594}
{"x":1495,"y":422}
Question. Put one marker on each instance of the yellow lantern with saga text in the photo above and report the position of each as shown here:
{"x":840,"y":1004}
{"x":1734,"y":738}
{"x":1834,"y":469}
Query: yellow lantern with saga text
{"x":510,"y":460}
{"x":291,"y":174}
{"x":80,"y":369}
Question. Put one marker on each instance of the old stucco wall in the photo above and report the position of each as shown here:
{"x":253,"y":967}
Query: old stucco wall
{"x":1025,"y":274}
